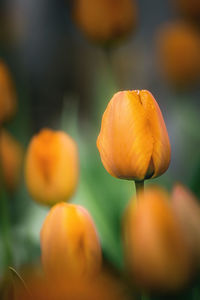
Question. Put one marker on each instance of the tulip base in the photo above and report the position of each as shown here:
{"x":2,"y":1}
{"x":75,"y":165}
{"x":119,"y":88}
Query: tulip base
{"x":139,"y":186}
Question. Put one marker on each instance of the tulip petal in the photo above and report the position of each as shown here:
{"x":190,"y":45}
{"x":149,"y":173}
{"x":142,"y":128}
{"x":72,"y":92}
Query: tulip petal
{"x":157,"y":252}
{"x":69,"y":242}
{"x":161,"y":145}
{"x":51,"y":167}
{"x":125,"y":141}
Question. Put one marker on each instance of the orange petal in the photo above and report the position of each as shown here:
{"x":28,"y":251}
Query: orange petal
{"x":51,"y":167}
{"x":69,"y":242}
{"x":125,"y":141}
{"x":157,"y":252}
{"x":161,"y":153}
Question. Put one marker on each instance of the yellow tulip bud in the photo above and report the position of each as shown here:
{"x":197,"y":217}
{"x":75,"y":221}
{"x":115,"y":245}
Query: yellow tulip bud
{"x":157,"y":251}
{"x":11,"y":155}
{"x":133,"y":141}
{"x":105,"y":20}
{"x":69,"y":242}
{"x":51,"y":167}
{"x":7,"y":94}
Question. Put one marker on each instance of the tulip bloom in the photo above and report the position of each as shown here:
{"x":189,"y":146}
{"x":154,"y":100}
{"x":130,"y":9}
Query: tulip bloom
{"x":11,"y":156}
{"x":105,"y":20}
{"x":51,"y":167}
{"x":102,"y":286}
{"x":187,"y":210}
{"x":133,"y":142}
{"x":189,"y":8}
{"x":157,"y":252}
{"x":7,"y":94}
{"x":178,"y":51}
{"x":69,"y":242}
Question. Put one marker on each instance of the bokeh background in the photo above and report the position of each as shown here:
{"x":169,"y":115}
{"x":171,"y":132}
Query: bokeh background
{"x":64,"y":80}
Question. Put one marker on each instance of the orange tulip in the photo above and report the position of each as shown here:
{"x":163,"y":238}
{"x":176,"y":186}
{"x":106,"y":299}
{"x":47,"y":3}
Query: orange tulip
{"x":187,"y":210}
{"x":157,"y":251}
{"x":133,"y":141}
{"x":105,"y":20}
{"x":189,"y":8}
{"x":51,"y":167}
{"x":102,"y":286}
{"x":178,"y":51}
{"x":69,"y":242}
{"x":7,"y":94}
{"x":11,"y":155}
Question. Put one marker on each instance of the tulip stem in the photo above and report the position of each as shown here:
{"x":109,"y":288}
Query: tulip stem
{"x":139,"y":185}
{"x":144,"y":297}
{"x":4,"y":217}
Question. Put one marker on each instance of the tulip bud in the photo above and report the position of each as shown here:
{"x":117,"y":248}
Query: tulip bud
{"x":7,"y":94}
{"x":51,"y":167}
{"x":187,"y":210}
{"x":105,"y":285}
{"x":189,"y":8}
{"x":157,"y":252}
{"x":11,"y":155}
{"x":105,"y":20}
{"x":178,"y":51}
{"x":133,"y":141}
{"x":69,"y":242}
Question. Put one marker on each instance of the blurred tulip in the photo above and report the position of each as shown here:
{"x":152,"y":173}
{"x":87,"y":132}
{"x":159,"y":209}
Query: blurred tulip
{"x":187,"y":209}
{"x":7,"y":94}
{"x":105,"y":20}
{"x":11,"y":156}
{"x":51,"y":167}
{"x":104,"y":286}
{"x":6,"y":289}
{"x":189,"y":8}
{"x":133,"y":141}
{"x":69,"y":242}
{"x":178,"y":51}
{"x":157,"y":252}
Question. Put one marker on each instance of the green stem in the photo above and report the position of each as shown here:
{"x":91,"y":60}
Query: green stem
{"x":139,"y":185}
{"x":110,"y":66}
{"x":144,"y":297}
{"x":4,"y":215}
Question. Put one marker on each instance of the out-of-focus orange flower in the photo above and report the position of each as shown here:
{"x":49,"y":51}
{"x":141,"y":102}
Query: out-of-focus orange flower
{"x":11,"y":156}
{"x":133,"y":141}
{"x":7,"y":94}
{"x":69,"y":242}
{"x":178,"y":51}
{"x":51,"y":167}
{"x":187,"y":209}
{"x":189,"y":8}
{"x":157,"y":251}
{"x":102,"y":286}
{"x":105,"y":20}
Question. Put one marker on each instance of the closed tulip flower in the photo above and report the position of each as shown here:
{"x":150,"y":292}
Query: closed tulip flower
{"x":157,"y":252}
{"x":189,"y":8}
{"x":11,"y":156}
{"x":133,"y":142}
{"x":51,"y":167}
{"x":187,"y":209}
{"x":105,"y":20}
{"x":104,"y":285}
{"x":7,"y":94}
{"x":69,"y":242}
{"x":178,"y":51}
